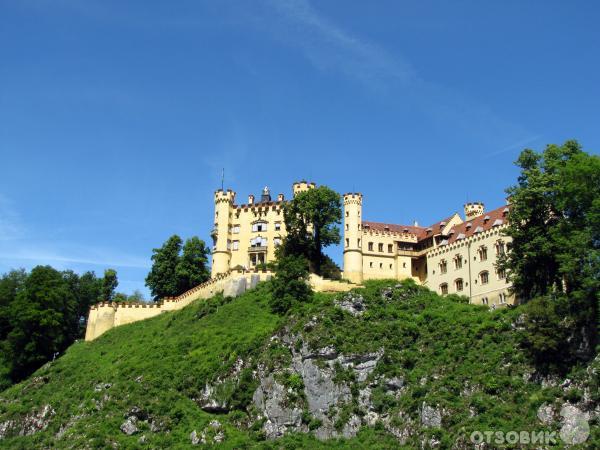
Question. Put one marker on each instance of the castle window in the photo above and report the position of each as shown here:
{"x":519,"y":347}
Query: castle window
{"x":370,"y":246}
{"x":390,"y":266}
{"x":258,"y":242}
{"x":484,"y":277}
{"x":347,"y":213}
{"x":483,"y":253}
{"x":228,"y":244}
{"x":358,"y":242}
{"x":259,"y":226}
{"x":235,"y":229}
{"x":444,"y":288}
{"x":347,"y":242}
{"x":459,"y":284}
{"x":458,"y":262}
{"x":277,"y":241}
{"x":501,"y":274}
{"x":502,"y":298}
{"x":390,"y":248}
{"x":371,"y":265}
{"x":443,"y":266}
{"x":381,"y":265}
{"x":277,"y":226}
{"x":380,"y":247}
{"x":500,"y":248}
{"x":235,"y":245}
{"x":484,"y":301}
{"x":347,"y":227}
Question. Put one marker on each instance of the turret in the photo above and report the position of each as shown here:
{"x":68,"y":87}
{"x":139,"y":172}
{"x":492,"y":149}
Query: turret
{"x":353,"y":257}
{"x":221,"y":255}
{"x":474,"y":209}
{"x":300,"y":186}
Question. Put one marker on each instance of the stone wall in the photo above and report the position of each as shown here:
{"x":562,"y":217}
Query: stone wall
{"x":104,"y":316}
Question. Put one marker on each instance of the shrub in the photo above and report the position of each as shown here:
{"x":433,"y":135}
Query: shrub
{"x":290,"y":284}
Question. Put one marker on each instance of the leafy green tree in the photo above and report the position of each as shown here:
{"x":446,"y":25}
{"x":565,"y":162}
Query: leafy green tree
{"x":290,"y":283}
{"x":136,"y":296}
{"x":10,"y":285}
{"x":43,"y":320}
{"x":109,"y":284}
{"x":162,"y":279}
{"x":554,"y":223}
{"x":192,"y":267}
{"x":311,"y":220}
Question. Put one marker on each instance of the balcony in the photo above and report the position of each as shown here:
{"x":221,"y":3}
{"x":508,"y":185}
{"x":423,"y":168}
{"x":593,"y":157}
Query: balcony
{"x":258,"y":249}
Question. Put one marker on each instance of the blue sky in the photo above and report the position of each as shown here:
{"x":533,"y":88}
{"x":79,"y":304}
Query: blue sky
{"x":117,"y":117}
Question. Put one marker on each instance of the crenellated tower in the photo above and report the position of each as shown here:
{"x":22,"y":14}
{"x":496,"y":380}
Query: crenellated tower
{"x":353,"y":257}
{"x":474,"y":209}
{"x":221,"y":254}
{"x":300,"y":186}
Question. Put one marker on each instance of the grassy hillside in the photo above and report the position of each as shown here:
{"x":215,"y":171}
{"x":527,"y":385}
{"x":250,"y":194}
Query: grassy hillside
{"x":463,"y":360}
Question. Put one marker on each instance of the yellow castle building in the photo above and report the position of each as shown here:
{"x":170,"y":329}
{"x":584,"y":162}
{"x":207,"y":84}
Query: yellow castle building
{"x":454,"y":255}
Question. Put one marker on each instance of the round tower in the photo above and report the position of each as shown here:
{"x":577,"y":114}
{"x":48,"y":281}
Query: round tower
{"x":221,"y":254}
{"x":474,"y":209}
{"x":353,"y":257}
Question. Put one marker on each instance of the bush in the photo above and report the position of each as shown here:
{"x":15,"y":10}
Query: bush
{"x":290,"y":284}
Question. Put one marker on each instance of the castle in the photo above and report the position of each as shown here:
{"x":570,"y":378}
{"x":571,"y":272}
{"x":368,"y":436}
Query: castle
{"x":451,"y":256}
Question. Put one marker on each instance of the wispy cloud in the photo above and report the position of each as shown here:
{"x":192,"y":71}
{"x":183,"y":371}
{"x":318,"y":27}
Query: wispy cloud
{"x":331,"y":48}
{"x":515,"y":145}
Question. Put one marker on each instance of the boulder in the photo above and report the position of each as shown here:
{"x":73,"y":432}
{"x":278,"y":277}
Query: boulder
{"x":430,"y":417}
{"x":129,"y":427}
{"x":352,"y":302}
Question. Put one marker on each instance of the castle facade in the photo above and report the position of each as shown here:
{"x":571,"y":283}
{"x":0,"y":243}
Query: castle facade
{"x":454,"y":255}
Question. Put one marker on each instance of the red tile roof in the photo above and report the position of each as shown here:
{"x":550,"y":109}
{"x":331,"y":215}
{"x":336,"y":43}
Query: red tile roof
{"x":485,"y":221}
{"x":421,"y":232}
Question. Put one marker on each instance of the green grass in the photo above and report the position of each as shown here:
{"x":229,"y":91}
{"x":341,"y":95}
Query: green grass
{"x":439,"y":346}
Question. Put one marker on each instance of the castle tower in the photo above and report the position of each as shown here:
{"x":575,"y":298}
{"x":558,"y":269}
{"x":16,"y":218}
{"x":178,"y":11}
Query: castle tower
{"x":300,"y":186}
{"x":221,"y":253}
{"x":353,"y":257}
{"x":474,"y":209}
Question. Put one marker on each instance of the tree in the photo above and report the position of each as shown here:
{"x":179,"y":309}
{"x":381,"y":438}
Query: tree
{"x":192,"y":267}
{"x":109,"y":284}
{"x":290,"y":283}
{"x":137,"y":296}
{"x":311,"y":220}
{"x":10,"y":285}
{"x":162,"y":279}
{"x":554,"y":223}
{"x":43,"y":320}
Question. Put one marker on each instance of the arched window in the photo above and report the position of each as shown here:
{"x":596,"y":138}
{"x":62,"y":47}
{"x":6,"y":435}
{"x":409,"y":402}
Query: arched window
{"x":484,"y":277}
{"x":500,"y":248}
{"x":458,"y":262}
{"x":444,"y":288}
{"x":458,"y":284}
{"x":370,"y":246}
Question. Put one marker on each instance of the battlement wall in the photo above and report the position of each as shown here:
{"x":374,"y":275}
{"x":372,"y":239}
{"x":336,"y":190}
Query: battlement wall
{"x":106,"y":315}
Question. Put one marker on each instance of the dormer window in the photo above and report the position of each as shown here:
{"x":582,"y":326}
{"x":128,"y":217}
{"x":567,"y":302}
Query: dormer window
{"x":505,"y":211}
{"x":386,"y":228}
{"x":486,"y":219}
{"x":469,"y":225}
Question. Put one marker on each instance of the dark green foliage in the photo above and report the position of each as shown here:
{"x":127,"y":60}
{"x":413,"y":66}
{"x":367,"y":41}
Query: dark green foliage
{"x":290,"y":283}
{"x":43,"y":320}
{"x":555,"y":228}
{"x":311,"y":220}
{"x":174,"y":272}
{"x":109,"y":284}
{"x":162,"y":279}
{"x":192,"y":267}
